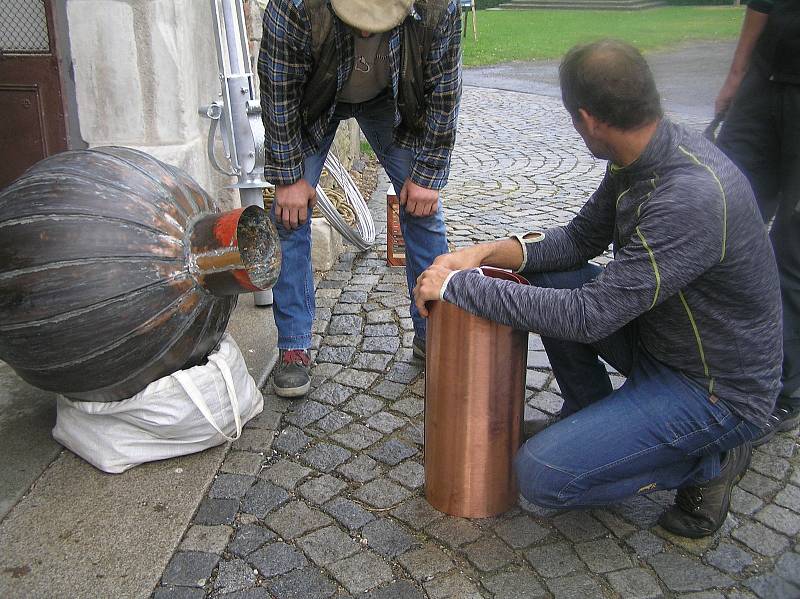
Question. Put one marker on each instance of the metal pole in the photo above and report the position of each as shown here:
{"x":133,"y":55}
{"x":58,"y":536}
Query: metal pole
{"x":240,"y":117}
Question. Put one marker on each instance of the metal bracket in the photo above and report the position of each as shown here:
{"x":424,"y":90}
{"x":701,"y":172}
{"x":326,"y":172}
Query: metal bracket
{"x":213,"y":112}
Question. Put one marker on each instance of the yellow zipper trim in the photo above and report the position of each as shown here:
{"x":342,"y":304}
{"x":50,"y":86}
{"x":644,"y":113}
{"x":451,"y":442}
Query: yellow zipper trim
{"x":647,"y":197}
{"x":655,"y":267}
{"x":699,"y":342}
{"x":619,"y":197}
{"x":646,"y":246}
{"x":724,"y":198}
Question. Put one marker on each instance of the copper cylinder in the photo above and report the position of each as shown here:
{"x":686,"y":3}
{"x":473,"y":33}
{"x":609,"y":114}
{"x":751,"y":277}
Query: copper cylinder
{"x":474,"y":398}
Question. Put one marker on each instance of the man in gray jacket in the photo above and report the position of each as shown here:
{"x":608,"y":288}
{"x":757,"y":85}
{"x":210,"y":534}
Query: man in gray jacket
{"x":689,"y":309}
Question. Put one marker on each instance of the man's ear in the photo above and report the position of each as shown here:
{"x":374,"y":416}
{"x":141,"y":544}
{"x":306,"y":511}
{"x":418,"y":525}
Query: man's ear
{"x":588,"y":121}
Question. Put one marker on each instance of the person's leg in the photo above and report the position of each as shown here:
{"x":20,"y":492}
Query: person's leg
{"x":785,"y":236}
{"x":294,"y":304}
{"x":658,"y":431}
{"x":581,"y":376}
{"x":749,"y":137}
{"x":425,"y":237}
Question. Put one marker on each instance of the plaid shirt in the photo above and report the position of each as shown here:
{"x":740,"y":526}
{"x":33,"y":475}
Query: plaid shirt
{"x":285,"y":63}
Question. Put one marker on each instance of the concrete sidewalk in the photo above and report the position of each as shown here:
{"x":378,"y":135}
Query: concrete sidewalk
{"x":69,"y":530}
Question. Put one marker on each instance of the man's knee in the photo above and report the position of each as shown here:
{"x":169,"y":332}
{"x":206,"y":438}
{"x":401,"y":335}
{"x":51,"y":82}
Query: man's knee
{"x":539,"y":481}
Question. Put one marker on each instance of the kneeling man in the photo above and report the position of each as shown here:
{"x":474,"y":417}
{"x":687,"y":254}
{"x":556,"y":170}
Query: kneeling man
{"x":689,"y":309}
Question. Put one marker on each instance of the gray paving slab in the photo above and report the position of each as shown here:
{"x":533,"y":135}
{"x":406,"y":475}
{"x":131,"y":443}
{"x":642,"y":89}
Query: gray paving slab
{"x":83,"y":533}
{"x":70,"y":530}
{"x":27,"y":415}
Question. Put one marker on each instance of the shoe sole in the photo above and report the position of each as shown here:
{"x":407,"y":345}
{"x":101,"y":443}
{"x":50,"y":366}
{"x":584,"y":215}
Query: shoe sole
{"x":765,"y":439}
{"x":291,"y":391}
{"x":788,"y":424}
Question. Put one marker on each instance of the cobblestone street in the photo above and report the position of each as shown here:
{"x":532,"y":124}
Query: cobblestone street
{"x":324,"y":497}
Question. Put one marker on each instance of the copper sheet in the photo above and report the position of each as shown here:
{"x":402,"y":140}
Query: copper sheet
{"x":474,"y":396}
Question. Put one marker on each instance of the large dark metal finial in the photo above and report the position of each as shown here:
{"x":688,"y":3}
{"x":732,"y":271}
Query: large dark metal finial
{"x":117,"y":269}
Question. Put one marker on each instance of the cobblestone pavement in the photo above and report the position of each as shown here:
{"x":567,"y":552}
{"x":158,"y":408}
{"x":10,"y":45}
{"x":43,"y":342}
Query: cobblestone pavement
{"x":323,"y":497}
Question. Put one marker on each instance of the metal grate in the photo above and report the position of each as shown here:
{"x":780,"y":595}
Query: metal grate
{"x":23,"y":27}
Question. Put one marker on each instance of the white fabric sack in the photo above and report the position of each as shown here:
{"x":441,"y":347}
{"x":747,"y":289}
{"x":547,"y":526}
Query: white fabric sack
{"x":185,"y":412}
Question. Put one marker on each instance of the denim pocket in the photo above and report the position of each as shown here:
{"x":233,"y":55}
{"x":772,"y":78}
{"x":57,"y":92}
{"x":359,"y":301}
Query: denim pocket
{"x":719,"y":409}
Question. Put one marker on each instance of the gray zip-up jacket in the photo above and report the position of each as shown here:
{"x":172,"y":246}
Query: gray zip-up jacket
{"x":692,"y":263}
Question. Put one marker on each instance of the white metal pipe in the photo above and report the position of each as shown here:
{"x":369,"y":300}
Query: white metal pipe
{"x":233,"y":38}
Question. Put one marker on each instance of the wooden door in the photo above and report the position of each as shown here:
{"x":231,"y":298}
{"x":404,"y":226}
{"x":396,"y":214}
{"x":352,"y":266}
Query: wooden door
{"x":32,"y":122}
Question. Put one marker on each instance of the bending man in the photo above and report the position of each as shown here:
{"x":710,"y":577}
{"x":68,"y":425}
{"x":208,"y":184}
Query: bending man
{"x":688,"y":310}
{"x":394,"y":66}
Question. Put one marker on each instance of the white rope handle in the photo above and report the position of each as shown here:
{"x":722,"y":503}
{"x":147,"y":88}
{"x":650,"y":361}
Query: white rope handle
{"x":222,"y":364}
{"x":185,"y":381}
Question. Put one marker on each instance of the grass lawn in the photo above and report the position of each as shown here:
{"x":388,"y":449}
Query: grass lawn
{"x":509,"y":35}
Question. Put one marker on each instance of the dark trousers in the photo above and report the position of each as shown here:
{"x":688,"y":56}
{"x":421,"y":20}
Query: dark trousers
{"x":761,"y":135}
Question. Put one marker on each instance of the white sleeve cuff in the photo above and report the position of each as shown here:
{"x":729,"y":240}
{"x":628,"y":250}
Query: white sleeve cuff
{"x":444,"y":285}
{"x":450,"y":276}
{"x":532,"y":237}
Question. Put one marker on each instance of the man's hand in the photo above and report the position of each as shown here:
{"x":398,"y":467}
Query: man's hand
{"x":292,"y":203}
{"x":725,"y":97}
{"x":429,"y":283}
{"x":418,"y":200}
{"x":752,"y":28}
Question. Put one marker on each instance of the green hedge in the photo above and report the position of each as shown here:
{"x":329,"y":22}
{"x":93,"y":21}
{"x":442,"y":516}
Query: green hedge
{"x":484,"y":4}
{"x":703,"y":2}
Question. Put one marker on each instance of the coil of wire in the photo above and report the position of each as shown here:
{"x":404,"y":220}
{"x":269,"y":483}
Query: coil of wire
{"x":342,"y":205}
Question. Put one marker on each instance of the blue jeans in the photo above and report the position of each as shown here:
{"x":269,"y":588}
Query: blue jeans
{"x":425,"y":237}
{"x":658,"y":431}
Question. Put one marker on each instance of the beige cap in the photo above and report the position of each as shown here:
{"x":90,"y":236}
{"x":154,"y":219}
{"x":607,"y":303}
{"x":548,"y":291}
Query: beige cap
{"x":374,"y":16}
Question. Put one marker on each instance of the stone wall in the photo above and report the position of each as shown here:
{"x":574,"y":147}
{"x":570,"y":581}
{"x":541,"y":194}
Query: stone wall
{"x":142,"y":68}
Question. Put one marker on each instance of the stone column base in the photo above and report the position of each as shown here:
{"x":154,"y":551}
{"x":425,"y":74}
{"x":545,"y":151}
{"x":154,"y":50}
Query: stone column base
{"x":326,"y":244}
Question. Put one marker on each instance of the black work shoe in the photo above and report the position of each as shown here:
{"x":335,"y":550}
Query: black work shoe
{"x":291,"y":378}
{"x":700,"y":511}
{"x":418,"y":348}
{"x":768,"y":432}
{"x":784,"y":417}
{"x":787,"y":413}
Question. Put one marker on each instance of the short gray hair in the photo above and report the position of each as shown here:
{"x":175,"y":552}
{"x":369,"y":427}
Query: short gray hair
{"x":610,"y":80}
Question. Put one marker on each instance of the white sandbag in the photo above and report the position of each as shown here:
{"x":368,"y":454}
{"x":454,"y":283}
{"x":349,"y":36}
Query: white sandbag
{"x":185,"y":412}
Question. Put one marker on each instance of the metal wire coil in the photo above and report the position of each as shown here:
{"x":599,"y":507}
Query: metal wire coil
{"x":343,"y":207}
